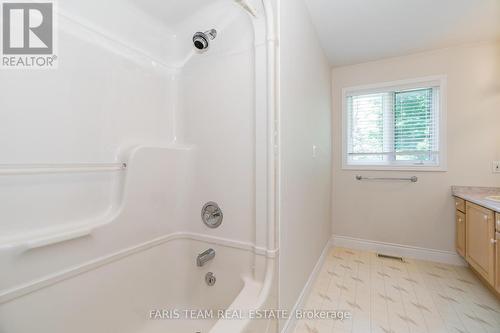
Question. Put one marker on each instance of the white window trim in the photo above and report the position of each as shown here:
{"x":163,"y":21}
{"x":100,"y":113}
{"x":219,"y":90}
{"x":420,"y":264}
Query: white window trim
{"x":424,"y":82}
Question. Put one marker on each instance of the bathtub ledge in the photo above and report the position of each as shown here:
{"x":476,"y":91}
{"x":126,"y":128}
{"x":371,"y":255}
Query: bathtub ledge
{"x":48,"y":280}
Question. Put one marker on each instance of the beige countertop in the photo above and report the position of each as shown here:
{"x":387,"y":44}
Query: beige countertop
{"x":478,"y":195}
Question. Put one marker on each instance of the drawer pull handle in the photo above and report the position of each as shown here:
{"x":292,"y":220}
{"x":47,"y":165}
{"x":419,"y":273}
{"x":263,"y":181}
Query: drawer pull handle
{"x":459,"y":220}
{"x":493,"y":241}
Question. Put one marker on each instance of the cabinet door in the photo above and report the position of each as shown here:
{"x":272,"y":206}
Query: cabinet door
{"x":460,"y":233}
{"x":497,"y":261}
{"x":480,"y":233}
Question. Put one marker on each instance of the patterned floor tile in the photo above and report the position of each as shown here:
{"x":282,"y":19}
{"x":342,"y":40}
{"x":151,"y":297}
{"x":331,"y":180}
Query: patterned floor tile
{"x":388,"y":296}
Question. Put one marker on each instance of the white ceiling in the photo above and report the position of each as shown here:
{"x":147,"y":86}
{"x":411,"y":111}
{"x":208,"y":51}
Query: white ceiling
{"x":355,"y":31}
{"x":171,"y":13}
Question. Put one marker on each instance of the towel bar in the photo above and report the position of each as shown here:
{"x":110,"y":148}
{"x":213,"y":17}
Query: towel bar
{"x":413,"y":179}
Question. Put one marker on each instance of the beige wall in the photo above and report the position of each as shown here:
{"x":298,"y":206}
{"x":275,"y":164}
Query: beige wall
{"x":305,"y":108}
{"x":422,"y":214}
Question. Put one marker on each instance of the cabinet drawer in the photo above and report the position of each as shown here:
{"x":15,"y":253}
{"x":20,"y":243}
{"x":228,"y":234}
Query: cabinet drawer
{"x":460,"y":204}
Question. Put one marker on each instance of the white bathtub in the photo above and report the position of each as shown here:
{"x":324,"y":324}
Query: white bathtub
{"x":118,"y":293}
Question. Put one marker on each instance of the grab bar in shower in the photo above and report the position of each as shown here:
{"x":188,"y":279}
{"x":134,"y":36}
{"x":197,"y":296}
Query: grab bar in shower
{"x":57,"y":238}
{"x":31,"y":169}
{"x":413,"y":179}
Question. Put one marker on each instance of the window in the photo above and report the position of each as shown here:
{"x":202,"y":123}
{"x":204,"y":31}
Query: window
{"x":395,"y":126}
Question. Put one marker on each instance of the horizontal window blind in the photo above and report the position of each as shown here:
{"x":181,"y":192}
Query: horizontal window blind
{"x":393,"y":127}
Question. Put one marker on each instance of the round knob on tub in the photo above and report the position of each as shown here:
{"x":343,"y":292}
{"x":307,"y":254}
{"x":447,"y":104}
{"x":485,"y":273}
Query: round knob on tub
{"x":210,"y":279}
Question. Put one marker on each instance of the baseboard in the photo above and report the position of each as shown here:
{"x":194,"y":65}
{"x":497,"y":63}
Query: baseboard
{"x":292,"y":321}
{"x":445,"y":257}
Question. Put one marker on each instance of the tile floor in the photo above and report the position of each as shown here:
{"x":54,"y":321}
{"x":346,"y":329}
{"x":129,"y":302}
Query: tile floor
{"x":389,"y":296}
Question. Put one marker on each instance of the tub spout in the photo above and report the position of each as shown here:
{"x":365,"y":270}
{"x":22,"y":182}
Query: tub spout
{"x":205,"y":257}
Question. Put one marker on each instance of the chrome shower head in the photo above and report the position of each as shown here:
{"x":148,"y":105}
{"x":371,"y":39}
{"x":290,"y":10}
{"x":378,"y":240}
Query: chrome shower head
{"x":201,"y":40}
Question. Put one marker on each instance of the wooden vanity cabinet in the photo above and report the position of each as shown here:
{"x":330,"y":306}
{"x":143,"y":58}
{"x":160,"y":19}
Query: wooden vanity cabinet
{"x":480,"y":241}
{"x":477,"y":240}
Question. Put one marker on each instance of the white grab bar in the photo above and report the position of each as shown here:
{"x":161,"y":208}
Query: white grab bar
{"x":32,"y":169}
{"x":57,"y":238}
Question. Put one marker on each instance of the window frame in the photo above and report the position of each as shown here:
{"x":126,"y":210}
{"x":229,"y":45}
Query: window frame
{"x":417,"y":83}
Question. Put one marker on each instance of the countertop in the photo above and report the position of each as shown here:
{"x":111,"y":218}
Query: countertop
{"x":477,"y":195}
